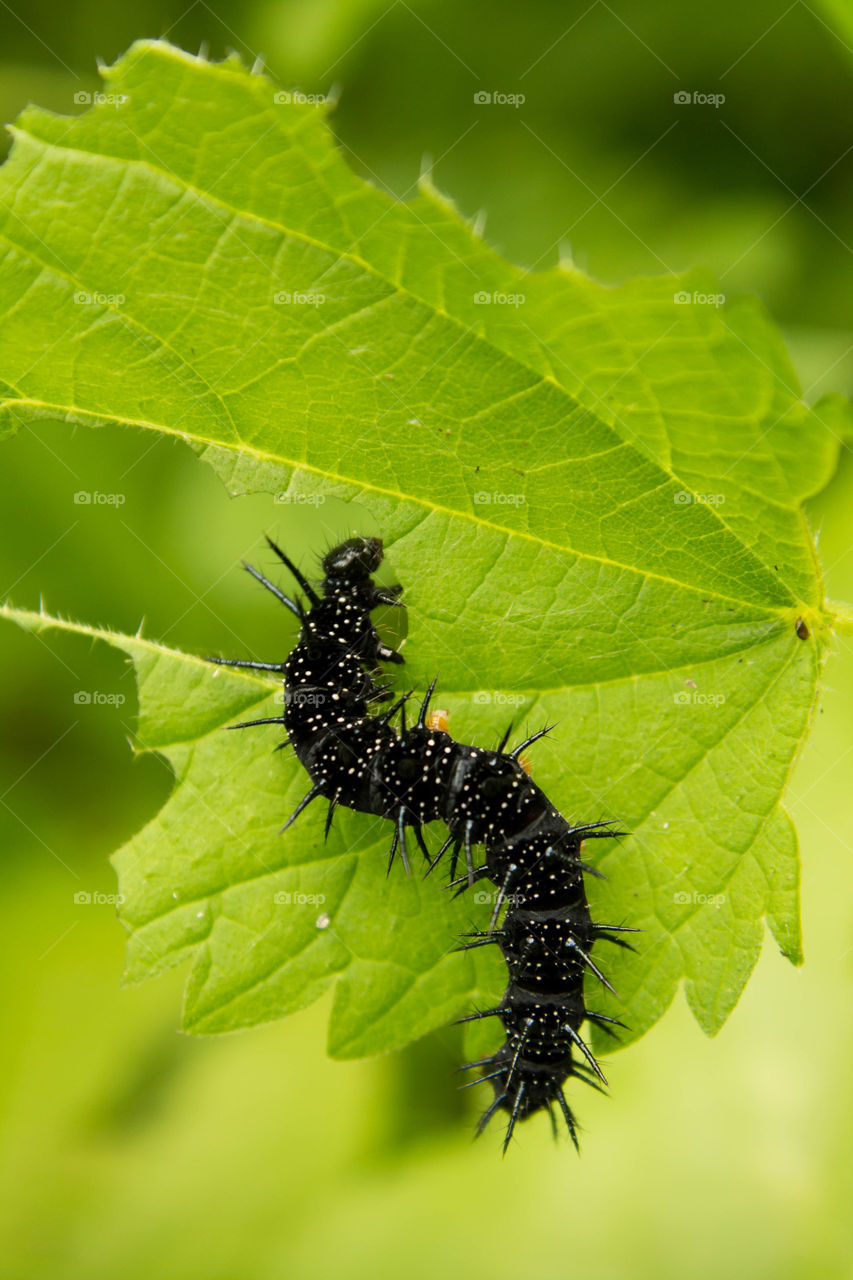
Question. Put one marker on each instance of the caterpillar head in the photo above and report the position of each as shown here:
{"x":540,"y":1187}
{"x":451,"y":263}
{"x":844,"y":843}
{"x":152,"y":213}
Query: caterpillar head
{"x":355,"y":558}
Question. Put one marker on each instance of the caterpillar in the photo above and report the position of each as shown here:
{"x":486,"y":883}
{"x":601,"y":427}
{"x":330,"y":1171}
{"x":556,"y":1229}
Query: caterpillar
{"x":416,"y":774}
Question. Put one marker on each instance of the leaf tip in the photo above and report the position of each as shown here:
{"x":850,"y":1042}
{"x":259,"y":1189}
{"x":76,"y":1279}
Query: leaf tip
{"x":839,"y":618}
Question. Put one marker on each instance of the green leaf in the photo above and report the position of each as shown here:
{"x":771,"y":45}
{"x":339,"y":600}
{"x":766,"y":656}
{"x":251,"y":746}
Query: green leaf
{"x":269,"y":922}
{"x":592,"y":495}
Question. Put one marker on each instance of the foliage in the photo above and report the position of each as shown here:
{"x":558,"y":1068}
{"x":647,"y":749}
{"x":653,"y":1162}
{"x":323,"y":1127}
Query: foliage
{"x":592,"y":495}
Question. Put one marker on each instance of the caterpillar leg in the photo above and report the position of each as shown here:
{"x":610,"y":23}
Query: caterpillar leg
{"x":245,"y":662}
{"x":292,"y":605}
{"x":569,"y":1119}
{"x":493,"y":1075}
{"x":597,"y":830}
{"x":502,"y":892}
{"x":248,"y":724}
{"x":333,"y":803}
{"x":300,"y":577}
{"x":422,"y":720}
{"x":303,"y":804}
{"x":528,"y":742}
{"x":416,"y":827}
{"x":462,"y":883}
{"x":606,"y":933}
{"x":480,"y":940}
{"x":448,"y":842}
{"x":591,"y":965}
{"x":605,"y":1023}
{"x":469,"y":853}
{"x":399,"y":841}
{"x":587,"y":1053}
{"x":390,"y":595}
{"x":489,"y":1112}
{"x":513,"y":1115}
{"x":480,"y":1013}
{"x":398,"y":705}
{"x":580,"y":1071}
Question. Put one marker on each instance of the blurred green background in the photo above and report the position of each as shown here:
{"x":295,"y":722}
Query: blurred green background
{"x":130,"y":1150}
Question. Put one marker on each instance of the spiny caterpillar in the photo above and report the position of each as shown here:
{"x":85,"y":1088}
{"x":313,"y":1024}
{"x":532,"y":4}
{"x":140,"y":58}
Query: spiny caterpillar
{"x":418,"y":774}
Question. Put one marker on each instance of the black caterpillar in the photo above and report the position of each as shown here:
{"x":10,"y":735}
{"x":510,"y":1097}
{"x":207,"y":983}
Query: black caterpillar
{"x":414,"y":775}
